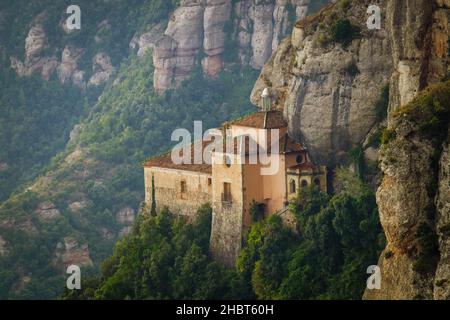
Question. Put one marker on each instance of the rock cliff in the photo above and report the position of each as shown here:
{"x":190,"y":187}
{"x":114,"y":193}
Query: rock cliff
{"x":253,"y":28}
{"x":322,"y":84}
{"x":412,"y":198}
{"x":40,"y":57}
{"x":199,"y":32}
{"x":328,"y":86}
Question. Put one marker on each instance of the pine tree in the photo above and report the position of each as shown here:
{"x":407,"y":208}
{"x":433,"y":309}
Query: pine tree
{"x":153,"y":209}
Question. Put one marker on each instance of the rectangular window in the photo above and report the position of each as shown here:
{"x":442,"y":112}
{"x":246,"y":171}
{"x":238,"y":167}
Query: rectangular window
{"x":226,"y":195}
{"x":183,"y":188}
{"x":209,"y":181}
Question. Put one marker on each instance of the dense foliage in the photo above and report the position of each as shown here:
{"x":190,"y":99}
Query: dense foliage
{"x":164,"y":258}
{"x":35,"y":121}
{"x":430,"y":111}
{"x":100,"y":168}
{"x":337,"y":239}
{"x":326,"y":257}
{"x":129,"y":123}
{"x":344,"y":32}
{"x":37,"y":116}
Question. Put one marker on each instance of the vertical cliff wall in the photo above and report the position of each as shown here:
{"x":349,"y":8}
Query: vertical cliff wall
{"x":328,"y":83}
{"x":326,"y":88}
{"x":249,"y":29}
{"x":413,"y":198}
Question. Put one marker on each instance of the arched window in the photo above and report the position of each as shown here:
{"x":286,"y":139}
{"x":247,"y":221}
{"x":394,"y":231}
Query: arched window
{"x":304,"y":183}
{"x":317,"y":182}
{"x":299,"y":159}
{"x":292,"y":186}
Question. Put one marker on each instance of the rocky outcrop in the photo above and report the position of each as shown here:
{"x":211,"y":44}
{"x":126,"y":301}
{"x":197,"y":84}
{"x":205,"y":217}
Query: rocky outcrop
{"x":125,"y":217}
{"x":414,"y":265}
{"x":310,"y":77}
{"x":413,"y":201}
{"x":419,"y":35}
{"x":3,"y":166}
{"x":216,"y":15}
{"x":68,"y":68}
{"x":147,"y":40}
{"x":70,"y":252}
{"x":102,"y":69}
{"x":40,"y":57}
{"x":442,"y":276}
{"x":328,"y":89}
{"x":3,"y":247}
{"x":78,"y":206}
{"x":36,"y":43}
{"x":255,"y":27}
{"x":47,"y":210}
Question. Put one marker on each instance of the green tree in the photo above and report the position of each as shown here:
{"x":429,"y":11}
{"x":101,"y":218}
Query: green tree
{"x":153,"y":209}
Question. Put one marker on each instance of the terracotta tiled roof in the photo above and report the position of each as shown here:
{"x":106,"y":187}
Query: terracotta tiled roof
{"x":165,"y":161}
{"x":263,"y":120}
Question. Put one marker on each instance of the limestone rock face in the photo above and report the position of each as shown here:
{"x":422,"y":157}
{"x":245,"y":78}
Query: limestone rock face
{"x":442,"y":277}
{"x":47,"y":210}
{"x":328,"y":93}
{"x":38,"y":59}
{"x":70,"y":252}
{"x":147,"y":40}
{"x":67,"y":69}
{"x":417,"y":30}
{"x":328,"y":108}
{"x":3,"y":248}
{"x":174,"y":55}
{"x":35,"y":44}
{"x":125,"y":217}
{"x":256,"y":26}
{"x":262,"y":37}
{"x":403,"y":199}
{"x":3,"y":166}
{"x":217,"y":13}
{"x":75,"y":132}
{"x":77,"y":206}
{"x":102,"y":68}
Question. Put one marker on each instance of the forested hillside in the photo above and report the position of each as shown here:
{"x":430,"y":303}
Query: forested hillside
{"x":336,"y":239}
{"x":100,"y":170}
{"x":37,"y":116}
{"x":78,"y":115}
{"x":87,"y":193}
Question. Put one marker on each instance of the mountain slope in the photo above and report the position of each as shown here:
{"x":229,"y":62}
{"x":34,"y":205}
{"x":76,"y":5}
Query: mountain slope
{"x":87,"y":196}
{"x":93,"y":189}
{"x":328,"y":78}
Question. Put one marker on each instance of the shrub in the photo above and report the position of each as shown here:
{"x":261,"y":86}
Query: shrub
{"x":344,"y":32}
{"x":375,"y":139}
{"x":382,"y":104}
{"x":428,"y":250}
{"x":322,"y":40}
{"x":356,"y":155}
{"x":257,"y":211}
{"x":345,"y":4}
{"x":430,"y":111}
{"x":387,"y":136}
{"x":352,"y":69}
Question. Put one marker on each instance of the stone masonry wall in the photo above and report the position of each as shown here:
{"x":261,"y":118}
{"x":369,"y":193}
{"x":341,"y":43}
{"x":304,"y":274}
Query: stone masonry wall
{"x":168,"y":190}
